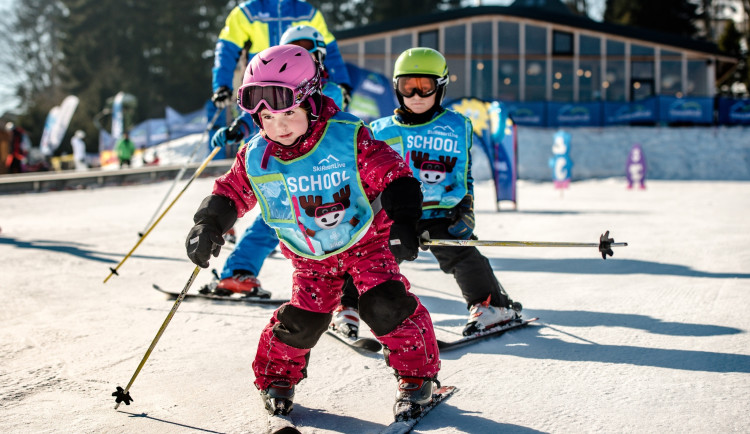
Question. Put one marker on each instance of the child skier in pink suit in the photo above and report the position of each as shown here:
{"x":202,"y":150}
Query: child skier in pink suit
{"x":321,"y":182}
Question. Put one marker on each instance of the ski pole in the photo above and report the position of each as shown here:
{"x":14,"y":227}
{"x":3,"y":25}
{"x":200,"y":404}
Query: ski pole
{"x":183,"y":169}
{"x":198,"y":171}
{"x":123,"y":395}
{"x":604,"y":245}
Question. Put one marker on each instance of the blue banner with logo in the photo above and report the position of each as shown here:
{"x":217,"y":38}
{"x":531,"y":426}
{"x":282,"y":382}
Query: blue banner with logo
{"x":691,"y":110}
{"x":637,"y":112}
{"x":372,"y":95}
{"x":531,"y":114}
{"x":734,"y":111}
{"x":182,"y":125}
{"x":574,"y":114}
{"x":149,"y":133}
{"x":478,"y":111}
{"x":504,"y":144}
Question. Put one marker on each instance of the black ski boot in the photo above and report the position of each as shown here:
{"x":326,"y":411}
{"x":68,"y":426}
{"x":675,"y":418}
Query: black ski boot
{"x":278,"y":398}
{"x":412,"y":395}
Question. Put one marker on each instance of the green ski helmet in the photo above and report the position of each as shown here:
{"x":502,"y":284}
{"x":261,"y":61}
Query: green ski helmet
{"x":421,"y":61}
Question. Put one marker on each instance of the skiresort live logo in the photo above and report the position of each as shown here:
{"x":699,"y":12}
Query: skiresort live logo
{"x":328,"y":163}
{"x":686,"y":109}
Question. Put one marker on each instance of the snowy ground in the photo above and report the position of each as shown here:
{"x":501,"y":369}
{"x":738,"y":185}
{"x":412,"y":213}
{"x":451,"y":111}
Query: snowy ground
{"x":652,"y":340}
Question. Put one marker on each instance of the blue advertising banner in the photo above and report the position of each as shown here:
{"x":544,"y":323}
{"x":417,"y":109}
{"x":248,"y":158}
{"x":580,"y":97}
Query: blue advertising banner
{"x":478,"y":111}
{"x":149,"y":133}
{"x":372,"y":94}
{"x":734,"y":111}
{"x":694,"y":110}
{"x":532,"y":114}
{"x":574,"y":114}
{"x":504,"y":145}
{"x":182,"y":125}
{"x":624,"y":113}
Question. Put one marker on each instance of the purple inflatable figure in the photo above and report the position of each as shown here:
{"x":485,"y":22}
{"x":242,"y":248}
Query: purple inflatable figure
{"x":635,"y":170}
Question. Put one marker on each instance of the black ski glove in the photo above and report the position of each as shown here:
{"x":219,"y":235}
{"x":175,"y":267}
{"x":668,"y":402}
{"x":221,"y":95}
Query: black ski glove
{"x":463,"y":223}
{"x":215,"y":216}
{"x":402,"y":201}
{"x":222,"y":97}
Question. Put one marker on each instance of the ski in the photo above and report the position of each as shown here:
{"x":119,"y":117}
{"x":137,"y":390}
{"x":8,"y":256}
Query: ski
{"x":247,"y":300}
{"x":367,"y":344}
{"x":405,"y":426}
{"x":278,"y":424}
{"x":495,"y":331}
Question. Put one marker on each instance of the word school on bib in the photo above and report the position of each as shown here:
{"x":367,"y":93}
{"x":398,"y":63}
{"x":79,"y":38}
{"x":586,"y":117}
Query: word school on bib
{"x":320,"y":182}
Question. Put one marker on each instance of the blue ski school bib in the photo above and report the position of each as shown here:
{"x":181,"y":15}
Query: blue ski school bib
{"x":437,"y":153}
{"x":316,"y":202}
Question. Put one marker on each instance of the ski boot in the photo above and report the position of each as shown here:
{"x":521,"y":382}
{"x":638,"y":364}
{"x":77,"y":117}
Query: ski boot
{"x":243,"y":283}
{"x":346,"y":321}
{"x":278,"y":398}
{"x":413,"y":394}
{"x":483,"y":316}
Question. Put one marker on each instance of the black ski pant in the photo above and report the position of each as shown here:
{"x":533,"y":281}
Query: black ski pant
{"x":468,"y":266}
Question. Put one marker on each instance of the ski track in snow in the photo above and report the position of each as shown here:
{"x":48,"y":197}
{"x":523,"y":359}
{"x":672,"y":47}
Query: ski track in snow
{"x":653,"y":339}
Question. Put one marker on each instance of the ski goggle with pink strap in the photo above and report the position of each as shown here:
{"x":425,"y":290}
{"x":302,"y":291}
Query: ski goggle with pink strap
{"x":277,"y":98}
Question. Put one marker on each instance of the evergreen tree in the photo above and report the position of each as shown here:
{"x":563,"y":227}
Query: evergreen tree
{"x":670,"y":16}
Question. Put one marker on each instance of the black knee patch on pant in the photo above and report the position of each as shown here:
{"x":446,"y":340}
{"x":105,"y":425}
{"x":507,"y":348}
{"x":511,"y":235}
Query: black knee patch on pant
{"x":300,"y":328}
{"x":386,"y":306}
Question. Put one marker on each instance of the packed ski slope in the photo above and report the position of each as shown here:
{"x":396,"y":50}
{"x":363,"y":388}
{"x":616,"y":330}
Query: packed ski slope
{"x":654,"y":339}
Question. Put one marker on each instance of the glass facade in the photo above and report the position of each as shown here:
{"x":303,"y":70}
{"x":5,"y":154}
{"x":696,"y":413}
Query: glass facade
{"x":516,"y":59}
{"x":614,"y":79}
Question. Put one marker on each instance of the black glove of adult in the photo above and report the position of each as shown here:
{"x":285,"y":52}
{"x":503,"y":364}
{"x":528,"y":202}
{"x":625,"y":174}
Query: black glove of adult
{"x":463,"y":223}
{"x":229,"y":135}
{"x":402,"y":201}
{"x":346,"y":93}
{"x":222,"y":97}
{"x":215,"y":216}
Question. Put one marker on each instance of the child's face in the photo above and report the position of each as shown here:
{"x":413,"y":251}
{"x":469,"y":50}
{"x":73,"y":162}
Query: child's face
{"x":418,"y":104}
{"x":285,"y":127}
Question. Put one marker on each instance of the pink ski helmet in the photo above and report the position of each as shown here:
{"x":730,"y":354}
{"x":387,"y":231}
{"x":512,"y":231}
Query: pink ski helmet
{"x":280,"y":78}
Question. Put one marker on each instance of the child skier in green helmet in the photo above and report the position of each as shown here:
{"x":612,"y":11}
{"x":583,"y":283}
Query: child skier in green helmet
{"x":436,"y":143}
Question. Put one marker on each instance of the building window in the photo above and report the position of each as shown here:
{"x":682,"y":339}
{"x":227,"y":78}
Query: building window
{"x":589,"y":72}
{"x":399,"y":44}
{"x":536,"y":63}
{"x":429,"y":39}
{"x":508,"y":77}
{"x":536,"y":40}
{"x":507,"y":35}
{"x":508,"y":49}
{"x":350,"y":52}
{"x":697,"y":72}
{"x":481,"y":60}
{"x":375,"y":55}
{"x":671,"y":73}
{"x":562,"y":80}
{"x":562,"y":43}
{"x":614,"y":78}
{"x":455,"y":56}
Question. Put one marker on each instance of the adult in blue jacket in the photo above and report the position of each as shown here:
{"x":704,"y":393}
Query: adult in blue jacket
{"x":256,"y":25}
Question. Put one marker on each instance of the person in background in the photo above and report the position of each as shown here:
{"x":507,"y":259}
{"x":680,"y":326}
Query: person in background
{"x":125,"y":150}
{"x":19,"y":148}
{"x":79,"y":150}
{"x":256,"y":25}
